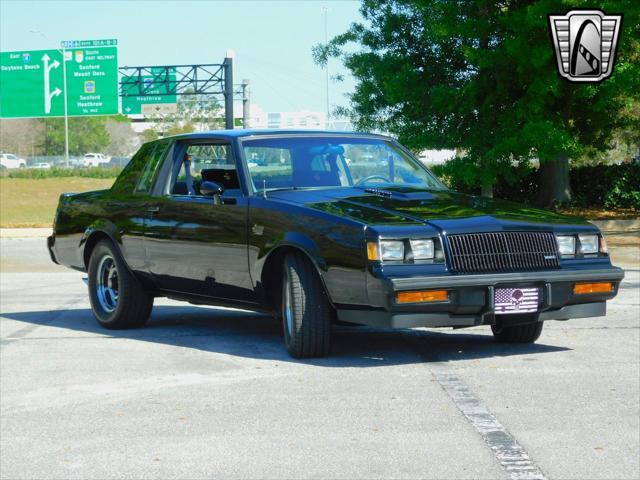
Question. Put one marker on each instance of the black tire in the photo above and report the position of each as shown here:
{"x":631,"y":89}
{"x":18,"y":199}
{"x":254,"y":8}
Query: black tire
{"x":305,"y":309}
{"x":131,"y":306}
{"x":527,"y":333}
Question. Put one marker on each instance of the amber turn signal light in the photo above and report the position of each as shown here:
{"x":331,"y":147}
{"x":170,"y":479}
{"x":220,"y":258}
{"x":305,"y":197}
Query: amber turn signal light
{"x":372,"y":251}
{"x":422,"y":296}
{"x":598,"y":287}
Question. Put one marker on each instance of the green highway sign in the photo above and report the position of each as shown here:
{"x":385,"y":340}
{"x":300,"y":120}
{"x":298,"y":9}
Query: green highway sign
{"x":110,"y":42}
{"x":157,"y":88}
{"x":32,"y":83}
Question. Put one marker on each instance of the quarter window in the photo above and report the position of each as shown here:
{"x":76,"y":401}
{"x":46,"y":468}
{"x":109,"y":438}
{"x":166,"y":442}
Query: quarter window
{"x":151,"y":167}
{"x":128,"y":178}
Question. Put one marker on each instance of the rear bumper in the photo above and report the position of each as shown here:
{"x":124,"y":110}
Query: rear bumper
{"x":50,"y":243}
{"x":471,"y":297}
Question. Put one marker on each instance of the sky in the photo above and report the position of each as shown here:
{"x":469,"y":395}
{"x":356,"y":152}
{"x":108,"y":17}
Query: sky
{"x":272,"y":40}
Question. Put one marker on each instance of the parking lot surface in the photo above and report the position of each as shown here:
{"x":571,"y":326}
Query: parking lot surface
{"x":209,"y":392}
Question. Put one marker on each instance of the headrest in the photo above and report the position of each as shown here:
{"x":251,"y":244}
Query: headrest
{"x":228,"y":178}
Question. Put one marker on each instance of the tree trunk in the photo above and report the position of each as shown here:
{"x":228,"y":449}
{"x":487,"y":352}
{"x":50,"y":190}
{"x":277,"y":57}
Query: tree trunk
{"x":486,"y":190}
{"x":555,"y":188}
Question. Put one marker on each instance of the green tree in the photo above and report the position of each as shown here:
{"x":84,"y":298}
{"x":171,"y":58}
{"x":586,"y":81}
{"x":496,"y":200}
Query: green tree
{"x":86,"y":134}
{"x":202,"y":111}
{"x":480,"y":76}
{"x":149,"y":135}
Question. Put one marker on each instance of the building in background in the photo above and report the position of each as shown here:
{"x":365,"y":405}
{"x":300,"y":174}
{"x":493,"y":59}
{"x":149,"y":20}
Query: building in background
{"x":303,"y":119}
{"x":436,"y":157}
{"x":261,"y":119}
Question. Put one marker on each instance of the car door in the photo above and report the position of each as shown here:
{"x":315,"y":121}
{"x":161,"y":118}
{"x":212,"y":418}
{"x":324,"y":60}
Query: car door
{"x":196,"y":244}
{"x":130,"y":200}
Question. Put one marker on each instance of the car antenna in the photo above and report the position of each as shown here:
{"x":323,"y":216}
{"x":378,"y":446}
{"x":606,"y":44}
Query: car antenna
{"x":264,"y":187}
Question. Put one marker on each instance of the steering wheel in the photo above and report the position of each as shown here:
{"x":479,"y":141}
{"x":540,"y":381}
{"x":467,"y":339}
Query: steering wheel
{"x":364,"y":180}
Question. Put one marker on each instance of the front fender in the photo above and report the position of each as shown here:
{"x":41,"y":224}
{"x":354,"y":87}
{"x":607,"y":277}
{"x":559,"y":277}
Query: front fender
{"x":308,"y":246}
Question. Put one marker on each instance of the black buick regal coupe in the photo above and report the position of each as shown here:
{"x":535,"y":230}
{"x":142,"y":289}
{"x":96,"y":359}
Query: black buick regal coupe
{"x":324,"y":227}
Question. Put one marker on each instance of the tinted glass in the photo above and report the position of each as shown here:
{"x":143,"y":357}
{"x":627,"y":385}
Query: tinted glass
{"x":316,"y":162}
{"x":202,"y":162}
{"x":128,"y":178}
{"x":151,"y":167}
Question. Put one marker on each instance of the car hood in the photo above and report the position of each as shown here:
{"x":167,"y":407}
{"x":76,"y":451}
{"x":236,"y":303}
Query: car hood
{"x":441,"y":208}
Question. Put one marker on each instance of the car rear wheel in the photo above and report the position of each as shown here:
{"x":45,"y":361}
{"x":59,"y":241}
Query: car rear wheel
{"x":527,"y":333}
{"x":305,"y":309}
{"x":118,"y":300}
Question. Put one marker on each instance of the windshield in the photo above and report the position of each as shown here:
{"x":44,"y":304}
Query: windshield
{"x":312,"y":162}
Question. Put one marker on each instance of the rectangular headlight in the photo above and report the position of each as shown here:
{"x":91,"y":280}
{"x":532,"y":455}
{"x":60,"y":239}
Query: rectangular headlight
{"x":566,"y":244}
{"x":588,"y":243}
{"x":422,"y":249}
{"x":392,"y":250}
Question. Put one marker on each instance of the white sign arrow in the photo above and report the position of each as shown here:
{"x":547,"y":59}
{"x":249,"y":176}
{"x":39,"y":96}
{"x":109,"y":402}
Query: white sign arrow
{"x":48,"y":95}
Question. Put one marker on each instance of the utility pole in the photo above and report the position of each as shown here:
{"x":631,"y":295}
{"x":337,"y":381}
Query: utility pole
{"x":245,"y":104}
{"x":325,"y":12}
{"x":66,"y":113}
{"x":64,"y":96}
{"x":228,"y":91}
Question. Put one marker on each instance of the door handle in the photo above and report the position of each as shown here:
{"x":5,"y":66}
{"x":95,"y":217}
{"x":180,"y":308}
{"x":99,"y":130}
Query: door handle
{"x":153,"y":209}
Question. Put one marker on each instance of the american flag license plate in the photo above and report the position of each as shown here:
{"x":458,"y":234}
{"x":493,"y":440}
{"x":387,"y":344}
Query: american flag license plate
{"x":516,"y":300}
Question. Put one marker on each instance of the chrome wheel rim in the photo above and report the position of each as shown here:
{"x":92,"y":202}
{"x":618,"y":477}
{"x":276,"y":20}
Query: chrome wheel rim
{"x":287,"y":308}
{"x":107,"y":284}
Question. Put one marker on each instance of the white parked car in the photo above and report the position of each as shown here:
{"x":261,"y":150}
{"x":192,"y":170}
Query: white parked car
{"x":9,"y":160}
{"x":42,"y":165}
{"x":95,"y":159}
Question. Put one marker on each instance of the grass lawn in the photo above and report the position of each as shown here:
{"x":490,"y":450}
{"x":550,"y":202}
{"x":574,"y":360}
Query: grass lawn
{"x":32,"y":203}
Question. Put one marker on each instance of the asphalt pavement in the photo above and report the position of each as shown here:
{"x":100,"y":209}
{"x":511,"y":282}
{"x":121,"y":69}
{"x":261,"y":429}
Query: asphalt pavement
{"x":210,"y":392}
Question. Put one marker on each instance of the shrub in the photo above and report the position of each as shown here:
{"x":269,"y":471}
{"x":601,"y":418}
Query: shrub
{"x":598,"y":186}
{"x":608,"y":186}
{"x":57,"y":172}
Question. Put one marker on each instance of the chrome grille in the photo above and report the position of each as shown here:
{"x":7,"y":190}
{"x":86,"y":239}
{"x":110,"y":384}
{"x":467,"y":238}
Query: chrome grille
{"x":503,"y":251}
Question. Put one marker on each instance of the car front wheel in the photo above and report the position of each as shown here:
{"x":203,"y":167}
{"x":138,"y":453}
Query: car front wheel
{"x":527,"y":333}
{"x":306,"y":312}
{"x":118,"y":300}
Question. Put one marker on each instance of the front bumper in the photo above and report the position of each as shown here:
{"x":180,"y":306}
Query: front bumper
{"x":471,"y":297}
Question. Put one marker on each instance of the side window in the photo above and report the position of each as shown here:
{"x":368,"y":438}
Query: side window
{"x":270,"y":167}
{"x":206,"y":162}
{"x":151,"y":167}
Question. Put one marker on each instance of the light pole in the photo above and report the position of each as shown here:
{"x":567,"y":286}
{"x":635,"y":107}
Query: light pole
{"x":325,"y":12}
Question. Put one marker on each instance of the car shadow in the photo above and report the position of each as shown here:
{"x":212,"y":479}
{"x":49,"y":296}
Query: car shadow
{"x":252,"y":335}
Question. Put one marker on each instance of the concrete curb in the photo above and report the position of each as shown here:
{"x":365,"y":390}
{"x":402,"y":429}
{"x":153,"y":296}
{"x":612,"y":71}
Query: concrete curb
{"x":618,"y":226}
{"x":25,"y":232}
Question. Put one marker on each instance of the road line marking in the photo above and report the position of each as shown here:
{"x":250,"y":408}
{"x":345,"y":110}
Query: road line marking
{"x":511,"y":455}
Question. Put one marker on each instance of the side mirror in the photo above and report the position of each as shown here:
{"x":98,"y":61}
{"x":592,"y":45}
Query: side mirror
{"x":211,"y":189}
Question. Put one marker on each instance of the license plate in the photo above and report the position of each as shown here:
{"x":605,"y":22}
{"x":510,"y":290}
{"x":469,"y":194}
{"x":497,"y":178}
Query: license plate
{"x":516,"y":300}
